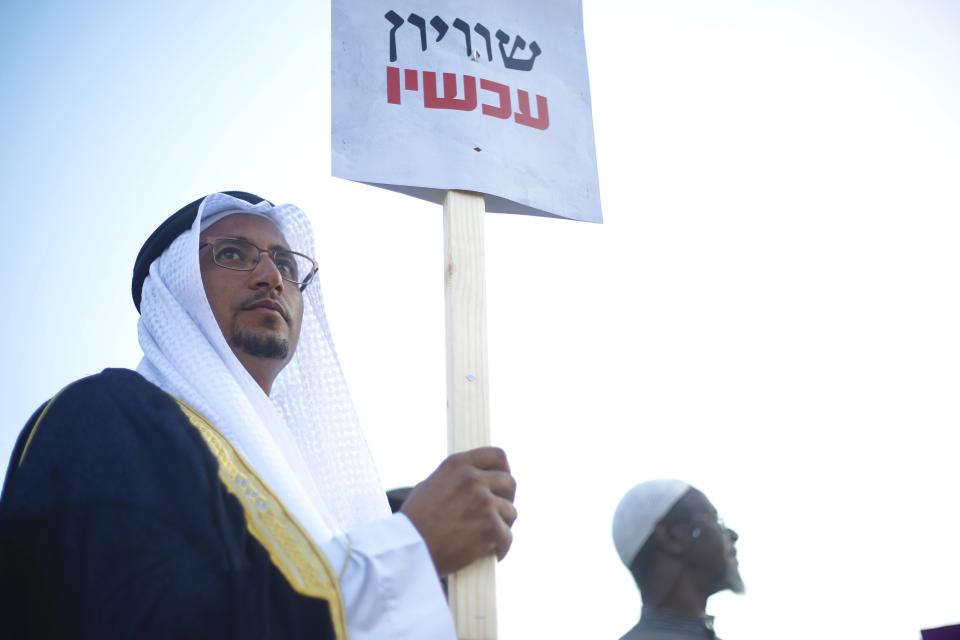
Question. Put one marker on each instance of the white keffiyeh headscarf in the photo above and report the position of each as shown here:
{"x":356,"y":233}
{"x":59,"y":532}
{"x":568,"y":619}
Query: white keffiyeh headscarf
{"x":304,"y":440}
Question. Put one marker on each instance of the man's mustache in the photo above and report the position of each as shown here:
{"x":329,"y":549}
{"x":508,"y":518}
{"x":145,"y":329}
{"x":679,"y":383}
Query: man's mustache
{"x":258,"y":298}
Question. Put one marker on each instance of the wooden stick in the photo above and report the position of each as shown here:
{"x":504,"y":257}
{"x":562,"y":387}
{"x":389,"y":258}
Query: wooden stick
{"x":472,"y":591}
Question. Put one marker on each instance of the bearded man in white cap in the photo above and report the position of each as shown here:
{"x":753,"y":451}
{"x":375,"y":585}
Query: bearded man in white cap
{"x":679,"y":553}
{"x":225,"y":489}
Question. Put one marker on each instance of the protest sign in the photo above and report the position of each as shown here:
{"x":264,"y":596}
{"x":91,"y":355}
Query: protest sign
{"x":490,"y":97}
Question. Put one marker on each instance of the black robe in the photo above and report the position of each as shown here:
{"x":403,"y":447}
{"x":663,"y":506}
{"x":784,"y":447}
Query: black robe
{"x":116,"y":522}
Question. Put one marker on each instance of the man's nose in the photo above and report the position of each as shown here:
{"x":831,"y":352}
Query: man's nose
{"x":733,"y":535}
{"x":266,"y":274}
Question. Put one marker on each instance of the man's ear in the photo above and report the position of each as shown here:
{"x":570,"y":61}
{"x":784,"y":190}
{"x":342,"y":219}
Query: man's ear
{"x":669,"y":538}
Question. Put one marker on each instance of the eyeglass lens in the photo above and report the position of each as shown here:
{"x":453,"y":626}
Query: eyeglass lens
{"x":240,"y":255}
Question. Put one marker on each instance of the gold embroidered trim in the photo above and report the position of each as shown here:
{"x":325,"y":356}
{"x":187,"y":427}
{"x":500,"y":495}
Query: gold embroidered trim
{"x":36,"y":425}
{"x":291,"y":549}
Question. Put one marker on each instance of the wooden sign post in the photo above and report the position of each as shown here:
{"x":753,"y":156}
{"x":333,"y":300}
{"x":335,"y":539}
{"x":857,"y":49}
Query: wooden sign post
{"x":471,"y":591}
{"x":491,"y":98}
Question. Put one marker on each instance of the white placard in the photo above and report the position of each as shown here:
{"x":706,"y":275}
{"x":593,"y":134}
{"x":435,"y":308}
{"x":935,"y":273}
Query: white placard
{"x":492,"y":97}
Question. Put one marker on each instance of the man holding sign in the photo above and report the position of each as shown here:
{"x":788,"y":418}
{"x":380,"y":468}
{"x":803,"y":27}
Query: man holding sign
{"x":224,"y":489}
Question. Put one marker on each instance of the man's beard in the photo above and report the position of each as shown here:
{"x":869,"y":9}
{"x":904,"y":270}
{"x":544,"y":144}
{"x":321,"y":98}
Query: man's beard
{"x":260,"y":344}
{"x":731,"y":577}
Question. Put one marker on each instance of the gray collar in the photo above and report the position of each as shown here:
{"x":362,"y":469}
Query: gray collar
{"x":659,"y":620}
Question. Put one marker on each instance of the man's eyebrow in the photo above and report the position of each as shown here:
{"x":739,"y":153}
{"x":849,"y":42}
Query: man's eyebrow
{"x":275,"y":245}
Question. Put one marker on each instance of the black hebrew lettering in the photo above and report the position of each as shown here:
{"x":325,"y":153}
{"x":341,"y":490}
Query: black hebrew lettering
{"x":509,"y":61}
{"x":421,"y":24}
{"x":463,"y":26}
{"x":485,"y":34}
{"x":396,"y":21}
{"x":441,"y":27}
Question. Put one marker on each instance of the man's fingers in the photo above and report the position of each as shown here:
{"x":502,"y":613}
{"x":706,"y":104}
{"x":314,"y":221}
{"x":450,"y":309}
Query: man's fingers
{"x":488,"y":458}
{"x":501,"y":484}
{"x":508,"y":512}
{"x":464,"y":510}
{"x":504,"y":540}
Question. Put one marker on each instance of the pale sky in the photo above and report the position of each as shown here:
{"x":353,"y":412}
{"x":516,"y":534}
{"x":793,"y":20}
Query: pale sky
{"x":769,"y":310}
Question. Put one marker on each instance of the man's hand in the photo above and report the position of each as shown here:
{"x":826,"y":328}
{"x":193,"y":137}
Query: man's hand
{"x":464,"y":510}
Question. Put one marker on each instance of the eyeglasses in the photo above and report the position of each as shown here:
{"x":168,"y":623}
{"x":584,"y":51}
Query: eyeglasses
{"x":238,"y":254}
{"x":701,"y":520}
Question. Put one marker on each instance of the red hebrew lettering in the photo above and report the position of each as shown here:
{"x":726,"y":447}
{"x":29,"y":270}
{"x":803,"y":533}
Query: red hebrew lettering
{"x":542,"y":121}
{"x":410,"y":79}
{"x":502,"y":107}
{"x":449,"y":100}
{"x":410,"y":83}
{"x":503,"y":111}
{"x":393,"y":85}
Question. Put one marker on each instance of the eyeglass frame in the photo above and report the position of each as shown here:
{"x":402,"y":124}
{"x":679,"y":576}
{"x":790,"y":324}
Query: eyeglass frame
{"x":711,"y":520}
{"x":260,"y":251}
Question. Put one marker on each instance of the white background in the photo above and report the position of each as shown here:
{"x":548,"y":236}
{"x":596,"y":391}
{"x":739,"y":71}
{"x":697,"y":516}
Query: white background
{"x":770,"y":310}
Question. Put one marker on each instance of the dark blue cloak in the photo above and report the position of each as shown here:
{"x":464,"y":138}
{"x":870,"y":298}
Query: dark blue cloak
{"x":115,"y":524}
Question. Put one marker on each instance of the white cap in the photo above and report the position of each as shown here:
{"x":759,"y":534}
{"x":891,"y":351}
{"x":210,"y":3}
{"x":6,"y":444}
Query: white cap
{"x":639,"y":512}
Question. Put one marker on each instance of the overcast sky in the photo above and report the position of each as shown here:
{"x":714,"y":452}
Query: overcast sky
{"x":769,"y":311}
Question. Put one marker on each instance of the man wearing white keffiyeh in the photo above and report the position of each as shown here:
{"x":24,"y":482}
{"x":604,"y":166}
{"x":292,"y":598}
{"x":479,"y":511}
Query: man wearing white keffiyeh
{"x":241,"y":343}
{"x":305,"y":434}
